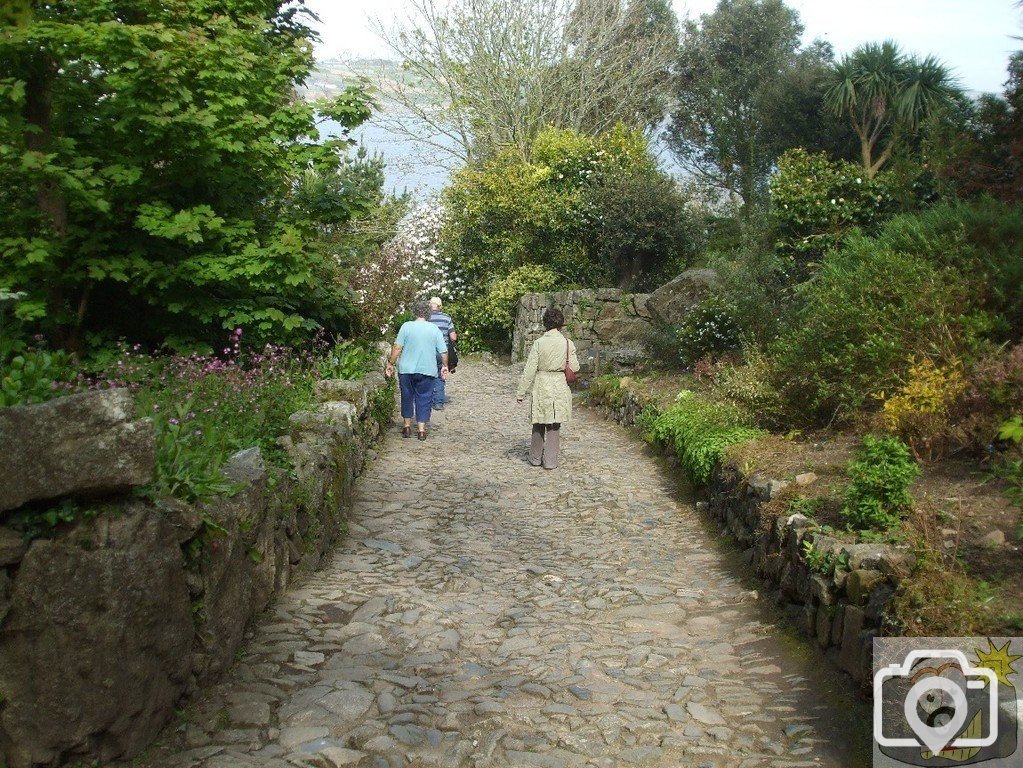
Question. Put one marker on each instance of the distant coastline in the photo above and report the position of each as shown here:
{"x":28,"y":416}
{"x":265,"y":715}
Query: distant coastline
{"x":412,"y":166}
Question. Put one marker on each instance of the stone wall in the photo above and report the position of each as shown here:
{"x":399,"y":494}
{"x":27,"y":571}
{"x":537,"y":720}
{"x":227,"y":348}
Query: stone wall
{"x":609,"y":327}
{"x":106,"y":626}
{"x":840,"y":610}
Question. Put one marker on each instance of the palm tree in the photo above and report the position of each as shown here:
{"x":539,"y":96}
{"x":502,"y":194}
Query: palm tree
{"x":886,"y":94}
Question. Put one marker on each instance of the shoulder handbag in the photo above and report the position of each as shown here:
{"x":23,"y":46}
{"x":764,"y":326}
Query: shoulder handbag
{"x":452,"y":357}
{"x":570,"y":375}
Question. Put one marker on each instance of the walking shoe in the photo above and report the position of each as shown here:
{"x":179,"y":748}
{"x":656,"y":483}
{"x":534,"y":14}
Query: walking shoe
{"x":406,"y":431}
{"x":422,"y":435}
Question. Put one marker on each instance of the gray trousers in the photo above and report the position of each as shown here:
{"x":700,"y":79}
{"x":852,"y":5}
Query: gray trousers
{"x":545,"y":445}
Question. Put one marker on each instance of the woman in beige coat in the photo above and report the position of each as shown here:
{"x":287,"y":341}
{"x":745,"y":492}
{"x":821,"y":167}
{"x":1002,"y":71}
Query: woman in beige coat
{"x":552,"y":399}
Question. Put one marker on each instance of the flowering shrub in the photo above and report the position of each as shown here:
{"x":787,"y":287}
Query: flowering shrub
{"x":408,"y":267}
{"x":920,"y":410}
{"x":206,"y":407}
{"x":816,"y":201}
{"x":708,"y":329}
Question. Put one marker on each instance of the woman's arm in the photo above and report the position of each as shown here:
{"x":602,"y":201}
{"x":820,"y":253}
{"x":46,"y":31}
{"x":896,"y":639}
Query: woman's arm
{"x":573,"y":359}
{"x":532,"y":363}
{"x":395,"y":354}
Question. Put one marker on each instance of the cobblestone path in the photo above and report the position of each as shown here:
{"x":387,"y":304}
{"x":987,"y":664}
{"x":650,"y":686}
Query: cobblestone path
{"x":484,"y":612}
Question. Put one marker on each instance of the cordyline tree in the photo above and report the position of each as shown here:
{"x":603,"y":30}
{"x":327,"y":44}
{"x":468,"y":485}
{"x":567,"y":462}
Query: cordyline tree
{"x":886,"y":95}
{"x":149,"y":152}
{"x":485,"y":75}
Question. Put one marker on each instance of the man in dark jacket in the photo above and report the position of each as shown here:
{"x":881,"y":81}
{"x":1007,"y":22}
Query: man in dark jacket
{"x":447,"y":328}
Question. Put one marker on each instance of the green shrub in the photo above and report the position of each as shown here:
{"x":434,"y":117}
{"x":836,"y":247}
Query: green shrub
{"x":346,"y":360}
{"x":644,"y":231}
{"x":816,"y":201}
{"x":708,"y":330}
{"x":596,"y":210}
{"x":880,"y":476}
{"x":34,"y":376}
{"x":755,"y":285}
{"x":486,"y":322}
{"x":865,"y":314}
{"x":701,"y":431}
{"x":646,"y":420}
{"x":751,"y":389}
{"x":607,"y":391}
{"x":983,"y":240}
{"x":1011,"y":469}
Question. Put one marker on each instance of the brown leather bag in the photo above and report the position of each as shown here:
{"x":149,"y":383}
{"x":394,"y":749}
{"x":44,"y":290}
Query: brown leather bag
{"x":570,"y":376}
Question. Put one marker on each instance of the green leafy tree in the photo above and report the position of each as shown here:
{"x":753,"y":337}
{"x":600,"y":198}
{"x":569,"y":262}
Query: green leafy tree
{"x":644,"y":232}
{"x":794,"y":112}
{"x":981,"y":152}
{"x":150,"y":153}
{"x":727,"y":81}
{"x":886,"y":95}
{"x":595,"y":210}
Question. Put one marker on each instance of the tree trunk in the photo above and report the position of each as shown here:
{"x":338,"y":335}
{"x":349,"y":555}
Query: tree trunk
{"x":50,"y":200}
{"x":38,"y":112}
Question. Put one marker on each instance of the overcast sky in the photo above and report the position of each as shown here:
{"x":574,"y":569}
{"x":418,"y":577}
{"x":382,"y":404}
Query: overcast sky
{"x":973,"y":37}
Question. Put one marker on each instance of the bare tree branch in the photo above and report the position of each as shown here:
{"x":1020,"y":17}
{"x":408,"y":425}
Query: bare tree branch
{"x":484,"y":75}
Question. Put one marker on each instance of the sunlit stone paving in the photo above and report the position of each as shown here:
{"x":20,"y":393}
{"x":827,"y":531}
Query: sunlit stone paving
{"x":484,"y":612}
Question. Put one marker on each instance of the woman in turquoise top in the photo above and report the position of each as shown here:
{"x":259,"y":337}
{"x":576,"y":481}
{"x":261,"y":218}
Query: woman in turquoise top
{"x":415,"y":350}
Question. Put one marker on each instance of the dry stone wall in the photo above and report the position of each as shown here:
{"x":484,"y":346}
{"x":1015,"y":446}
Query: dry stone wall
{"x":85,"y":444}
{"x":839,"y":607}
{"x":609,"y":327}
{"x":106,"y":626}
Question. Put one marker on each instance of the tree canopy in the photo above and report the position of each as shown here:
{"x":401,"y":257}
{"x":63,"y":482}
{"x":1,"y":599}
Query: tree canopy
{"x":731,"y":64}
{"x":150,"y":153}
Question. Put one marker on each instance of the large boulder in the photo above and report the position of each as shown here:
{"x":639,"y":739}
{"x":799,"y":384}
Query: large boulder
{"x":94,"y":647}
{"x":673,"y":301}
{"x":85,"y":444}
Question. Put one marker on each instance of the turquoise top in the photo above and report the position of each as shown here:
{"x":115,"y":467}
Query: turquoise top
{"x":420,"y":341}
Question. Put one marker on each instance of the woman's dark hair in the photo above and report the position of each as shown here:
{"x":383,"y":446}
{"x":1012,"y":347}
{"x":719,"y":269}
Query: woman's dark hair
{"x":553,"y":318}
{"x":421,"y":309}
